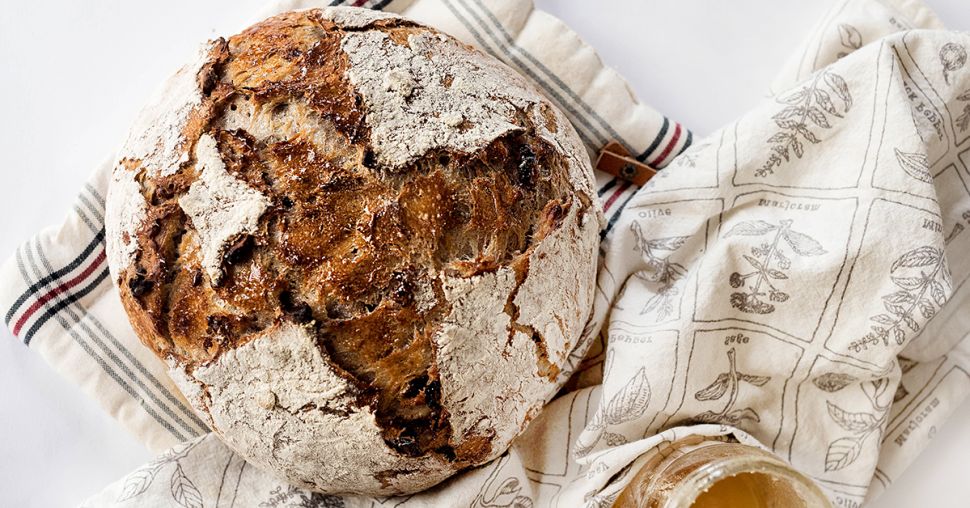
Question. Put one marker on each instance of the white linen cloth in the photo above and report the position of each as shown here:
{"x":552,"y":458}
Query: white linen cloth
{"x":796,"y":280}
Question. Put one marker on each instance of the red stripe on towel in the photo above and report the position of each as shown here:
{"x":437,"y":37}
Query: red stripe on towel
{"x":58,"y":290}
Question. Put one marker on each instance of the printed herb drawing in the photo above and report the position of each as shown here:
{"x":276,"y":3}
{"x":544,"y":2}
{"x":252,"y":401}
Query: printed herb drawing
{"x":508,"y":494}
{"x":923,"y":284}
{"x":760,"y":283}
{"x":184,"y":492}
{"x":729,"y":383}
{"x":602,"y":500}
{"x":293,"y":497}
{"x":952,"y":57}
{"x":832,"y":382}
{"x":963,"y":121}
{"x":915,"y":165}
{"x":627,"y":404}
{"x":689,"y":157}
{"x":662,"y":273}
{"x":808,"y":107}
{"x":861,"y":425}
{"x":851,"y":39}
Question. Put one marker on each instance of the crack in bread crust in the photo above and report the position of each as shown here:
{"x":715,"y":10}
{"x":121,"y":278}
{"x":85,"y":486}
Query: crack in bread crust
{"x":355,"y":236}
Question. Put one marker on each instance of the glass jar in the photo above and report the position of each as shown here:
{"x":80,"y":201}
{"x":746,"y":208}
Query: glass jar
{"x":703,"y":472}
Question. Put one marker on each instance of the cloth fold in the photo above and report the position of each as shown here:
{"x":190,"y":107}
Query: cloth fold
{"x":795,"y":281}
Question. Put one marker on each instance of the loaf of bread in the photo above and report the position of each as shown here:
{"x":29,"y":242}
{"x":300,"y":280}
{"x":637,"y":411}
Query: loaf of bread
{"x":364,"y":249}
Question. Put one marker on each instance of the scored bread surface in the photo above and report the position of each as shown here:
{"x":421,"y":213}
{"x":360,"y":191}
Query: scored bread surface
{"x":365,"y":250}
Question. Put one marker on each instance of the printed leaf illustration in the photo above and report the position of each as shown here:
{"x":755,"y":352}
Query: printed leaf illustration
{"x":688,"y":158}
{"x":839,"y":87}
{"x":939,"y":294}
{"x":875,"y":388}
{"x":597,"y":422}
{"x":910,"y":322}
{"x":824,"y":101}
{"x":184,"y":492}
{"x":963,"y":121}
{"x":759,"y":284}
{"x":861,"y":425}
{"x":883,"y":319}
{"x":852,"y":422}
{"x":508,"y":495}
{"x":715,"y":390}
{"x":898,"y":297}
{"x":851,"y":38}
{"x":661,"y":271}
{"x":909,"y":283}
{"x":754,"y":380}
{"x":729,"y":381}
{"x":802,"y":244}
{"x":923,"y":256}
{"x":672,"y":243}
{"x":841,"y":453}
{"x":509,"y":486}
{"x":753,"y":262}
{"x":708,"y":417}
{"x":915,"y":165}
{"x":521,"y":502}
{"x":583,"y":448}
{"x":739,"y":415}
{"x":833,"y":381}
{"x":750,"y":228}
{"x":602,"y":501}
{"x":138,"y":482}
{"x":805,"y":110}
{"x":818,"y":118}
{"x":922,"y":291}
{"x":613,"y":439}
{"x":631,"y":401}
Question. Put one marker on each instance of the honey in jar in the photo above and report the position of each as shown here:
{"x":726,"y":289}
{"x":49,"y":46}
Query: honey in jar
{"x":699,"y":472}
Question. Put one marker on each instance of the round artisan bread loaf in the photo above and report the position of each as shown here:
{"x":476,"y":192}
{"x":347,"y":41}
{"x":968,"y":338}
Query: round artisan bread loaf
{"x":365,"y":250}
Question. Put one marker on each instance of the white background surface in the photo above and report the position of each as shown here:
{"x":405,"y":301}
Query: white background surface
{"x":73,"y":75}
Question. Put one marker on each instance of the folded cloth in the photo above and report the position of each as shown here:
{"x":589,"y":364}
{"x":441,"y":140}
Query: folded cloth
{"x":794,"y":280}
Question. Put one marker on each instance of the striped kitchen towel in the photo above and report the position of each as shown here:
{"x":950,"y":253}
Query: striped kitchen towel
{"x":58,"y":299}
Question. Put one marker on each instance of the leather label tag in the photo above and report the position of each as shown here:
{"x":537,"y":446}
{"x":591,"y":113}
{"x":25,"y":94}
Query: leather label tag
{"x":616,"y":160}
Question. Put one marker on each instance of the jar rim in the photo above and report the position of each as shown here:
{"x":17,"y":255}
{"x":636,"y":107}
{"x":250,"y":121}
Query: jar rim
{"x":720,"y":468}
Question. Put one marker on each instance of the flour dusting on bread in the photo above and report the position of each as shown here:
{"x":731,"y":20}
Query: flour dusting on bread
{"x":125,"y":207}
{"x":313,"y":411}
{"x":220,"y":206}
{"x":355,"y":18}
{"x":157,"y":138}
{"x":431,"y":93}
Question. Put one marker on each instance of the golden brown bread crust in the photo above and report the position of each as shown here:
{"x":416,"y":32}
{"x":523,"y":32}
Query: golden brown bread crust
{"x":347,"y":247}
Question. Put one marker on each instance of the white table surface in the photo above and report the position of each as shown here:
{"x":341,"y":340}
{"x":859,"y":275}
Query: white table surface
{"x":73,"y":75}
